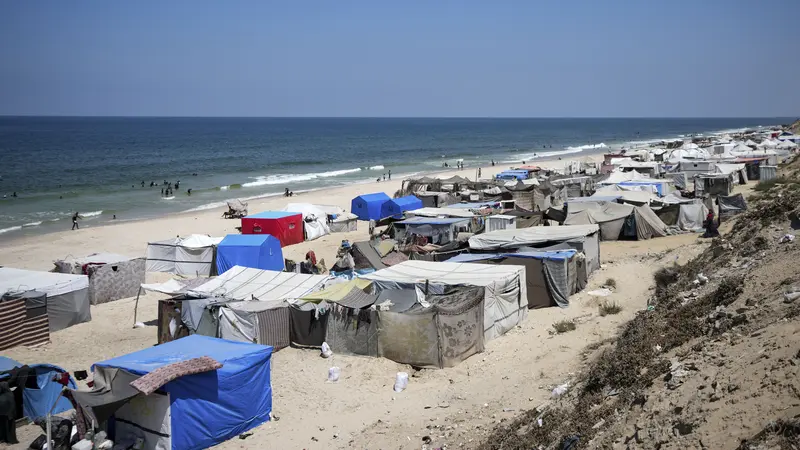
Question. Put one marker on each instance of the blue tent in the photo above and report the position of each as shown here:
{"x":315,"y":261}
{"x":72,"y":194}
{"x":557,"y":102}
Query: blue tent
{"x":208,"y":408}
{"x":259,"y":251}
{"x":37,"y":402}
{"x":395,"y":207}
{"x":368,"y":206}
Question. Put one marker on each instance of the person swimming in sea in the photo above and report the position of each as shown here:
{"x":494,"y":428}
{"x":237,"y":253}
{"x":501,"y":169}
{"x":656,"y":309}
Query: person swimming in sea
{"x":189,"y":191}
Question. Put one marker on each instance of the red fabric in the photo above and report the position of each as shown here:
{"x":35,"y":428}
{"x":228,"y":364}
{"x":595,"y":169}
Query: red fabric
{"x":312,"y":256}
{"x":288,"y":230}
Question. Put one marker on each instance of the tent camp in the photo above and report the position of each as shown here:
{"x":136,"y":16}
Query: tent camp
{"x":192,"y":256}
{"x":40,"y":392}
{"x":315,"y":219}
{"x":192,"y":393}
{"x":395,"y":207}
{"x":505,"y":298}
{"x":243,"y":283}
{"x":617,"y":221}
{"x":67,"y":295}
{"x":439,"y":231}
{"x":368,"y":206}
{"x":286,"y":226}
{"x":552,"y":276}
{"x":258,"y":251}
{"x":583,"y":238}
{"x":111,"y":277}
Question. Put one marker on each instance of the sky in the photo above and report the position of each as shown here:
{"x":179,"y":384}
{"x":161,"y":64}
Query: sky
{"x":412,"y":58}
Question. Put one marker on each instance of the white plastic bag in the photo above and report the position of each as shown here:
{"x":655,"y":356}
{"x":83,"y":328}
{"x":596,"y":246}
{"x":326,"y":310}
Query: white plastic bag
{"x":401,"y":382}
{"x":333,"y":374}
{"x":326,"y":351}
{"x":560,"y":390}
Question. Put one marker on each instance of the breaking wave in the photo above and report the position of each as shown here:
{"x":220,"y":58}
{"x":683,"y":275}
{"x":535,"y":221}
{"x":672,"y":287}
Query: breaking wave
{"x":32,"y":224}
{"x":588,"y":147}
{"x":6,"y":230}
{"x":378,"y":167}
{"x":293,"y":178}
{"x":91,"y":214}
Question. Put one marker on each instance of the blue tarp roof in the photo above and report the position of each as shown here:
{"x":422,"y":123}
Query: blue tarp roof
{"x":552,"y":255}
{"x":259,"y":251}
{"x":433,"y":220}
{"x":37,"y":402}
{"x":368,"y":206}
{"x":272,"y":215}
{"x":210,"y":407}
{"x":395,"y":207}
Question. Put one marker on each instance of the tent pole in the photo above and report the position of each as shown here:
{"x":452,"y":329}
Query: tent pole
{"x":136,"y":306}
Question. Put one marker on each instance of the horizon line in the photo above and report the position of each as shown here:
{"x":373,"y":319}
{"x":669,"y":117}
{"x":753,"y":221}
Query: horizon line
{"x":66,"y":116}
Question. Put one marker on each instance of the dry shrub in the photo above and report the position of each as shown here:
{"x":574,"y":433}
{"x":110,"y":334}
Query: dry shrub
{"x":610,"y":283}
{"x":781,"y":434}
{"x":563,"y":326}
{"x":609,"y":308}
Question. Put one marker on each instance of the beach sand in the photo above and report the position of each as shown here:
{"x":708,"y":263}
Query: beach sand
{"x":517,"y":370}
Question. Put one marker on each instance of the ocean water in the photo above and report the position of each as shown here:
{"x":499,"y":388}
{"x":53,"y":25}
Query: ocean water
{"x":96,"y":165}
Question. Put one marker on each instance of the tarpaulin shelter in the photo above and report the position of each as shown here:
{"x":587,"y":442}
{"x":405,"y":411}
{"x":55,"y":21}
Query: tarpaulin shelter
{"x":395,"y":207}
{"x":258,"y":251}
{"x":552,"y":276}
{"x":286,"y":226}
{"x":171,"y":405}
{"x":439,"y":231}
{"x":440,"y":212}
{"x":67,"y":295}
{"x":243,"y":283}
{"x":111,"y":276}
{"x":617,"y":221}
{"x":500,"y":222}
{"x":40,"y":392}
{"x":368,"y":206}
{"x":731,"y":205}
{"x":191,"y":256}
{"x":505,"y":299}
{"x":433,"y":199}
{"x":315,"y":219}
{"x":525,"y":219}
{"x":584,"y":238}
{"x":23,"y":319}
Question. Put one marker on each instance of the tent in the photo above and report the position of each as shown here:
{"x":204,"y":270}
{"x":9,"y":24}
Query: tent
{"x":739,"y":171}
{"x":243,"y":283}
{"x":617,"y":221}
{"x":368,"y":206}
{"x":434,"y":199}
{"x":731,"y":205}
{"x":286,"y":226}
{"x":23,"y":319}
{"x":552,"y":276}
{"x":192,"y":256}
{"x":315,"y":219}
{"x":259,"y":251}
{"x":500,"y":222}
{"x":505,"y":298}
{"x":439,"y":231}
{"x":192,"y":393}
{"x":111,"y":277}
{"x":440,"y":212}
{"x":40,"y":392}
{"x":67,"y":295}
{"x":395,"y":207}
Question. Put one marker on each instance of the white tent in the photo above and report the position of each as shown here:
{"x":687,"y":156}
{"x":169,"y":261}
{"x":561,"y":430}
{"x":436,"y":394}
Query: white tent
{"x":244,"y":283}
{"x":192,"y":256}
{"x":786,"y":145}
{"x":768,"y":143}
{"x":440,"y":212}
{"x":741,"y":148}
{"x":620,"y":177}
{"x":315,"y":219}
{"x":67,"y":294}
{"x":750,"y":143}
{"x":505,"y":287}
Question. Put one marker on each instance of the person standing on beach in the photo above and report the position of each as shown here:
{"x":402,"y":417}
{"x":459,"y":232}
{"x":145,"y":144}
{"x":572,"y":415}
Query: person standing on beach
{"x":384,"y":177}
{"x":75,"y":218}
{"x":390,"y":175}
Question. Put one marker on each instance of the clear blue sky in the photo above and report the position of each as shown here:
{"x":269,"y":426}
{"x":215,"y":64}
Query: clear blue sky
{"x":526,"y":58}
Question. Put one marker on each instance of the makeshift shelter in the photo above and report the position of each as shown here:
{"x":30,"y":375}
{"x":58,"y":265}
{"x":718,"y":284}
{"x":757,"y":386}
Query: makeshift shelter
{"x":617,"y":221}
{"x":500,"y":222}
{"x":767,"y":173}
{"x":584,"y":238}
{"x":368,"y":206}
{"x":40,"y":391}
{"x":365,"y":256}
{"x":713,"y":184}
{"x":432,"y":199}
{"x":258,"y":251}
{"x":111,"y":277}
{"x":192,"y":256}
{"x":315,"y":219}
{"x":552,"y":276}
{"x":236,"y":209}
{"x":395,"y":207}
{"x":343,"y":222}
{"x":731,"y":205}
{"x":243,"y":283}
{"x":525,"y":219}
{"x":738,"y":172}
{"x":438,"y":231}
{"x":67,"y":295}
{"x":513,"y":175}
{"x":695,"y":167}
{"x":23,"y":319}
{"x":286,"y":226}
{"x":505,"y":298}
{"x":442,"y":333}
{"x":192,"y":393}
{"x":440,"y":212}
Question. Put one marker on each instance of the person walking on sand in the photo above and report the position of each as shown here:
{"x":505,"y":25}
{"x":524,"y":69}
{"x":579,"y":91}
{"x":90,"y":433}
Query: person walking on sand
{"x":390,"y":174}
{"x":75,"y":218}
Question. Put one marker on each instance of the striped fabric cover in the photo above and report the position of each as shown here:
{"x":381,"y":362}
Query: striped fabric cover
{"x":19,"y":326}
{"x":274,"y":327}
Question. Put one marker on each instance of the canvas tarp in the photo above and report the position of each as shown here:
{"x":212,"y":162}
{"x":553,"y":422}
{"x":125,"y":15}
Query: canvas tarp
{"x":609,"y":216}
{"x":503,"y":239}
{"x":243,"y":283}
{"x":691,"y":216}
{"x":731,"y":205}
{"x":648,"y":225}
{"x":192,"y":256}
{"x":353,"y":331}
{"x":669,"y":214}
{"x":67,"y":295}
{"x":315,"y":219}
{"x":441,"y":335}
{"x":111,"y":276}
{"x":440,"y":212}
{"x":505,"y":302}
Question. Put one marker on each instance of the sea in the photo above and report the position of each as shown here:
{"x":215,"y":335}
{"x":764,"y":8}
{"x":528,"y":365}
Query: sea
{"x":97,"y":166}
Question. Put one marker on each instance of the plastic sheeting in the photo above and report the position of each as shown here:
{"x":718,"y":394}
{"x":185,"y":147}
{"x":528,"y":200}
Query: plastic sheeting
{"x":353,"y":331}
{"x":192,"y":256}
{"x":211,"y":407}
{"x":691,"y":217}
{"x":315,"y":219}
{"x":731,"y":205}
{"x":441,"y":335}
{"x":503,"y":239}
{"x":243,"y":283}
{"x":67,"y":295}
